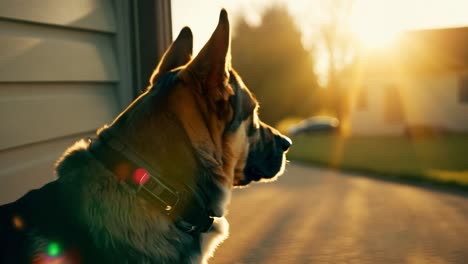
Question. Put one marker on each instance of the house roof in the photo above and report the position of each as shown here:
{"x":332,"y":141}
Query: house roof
{"x":422,"y":51}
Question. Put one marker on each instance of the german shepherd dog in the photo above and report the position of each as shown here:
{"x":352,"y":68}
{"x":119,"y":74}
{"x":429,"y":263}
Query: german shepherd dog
{"x":153,"y":186}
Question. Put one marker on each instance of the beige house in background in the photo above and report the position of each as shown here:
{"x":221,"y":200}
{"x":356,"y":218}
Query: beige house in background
{"x":67,"y":68}
{"x":419,"y":82}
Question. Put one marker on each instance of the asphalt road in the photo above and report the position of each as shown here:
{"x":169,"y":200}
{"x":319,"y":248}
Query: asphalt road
{"x":312,"y":215}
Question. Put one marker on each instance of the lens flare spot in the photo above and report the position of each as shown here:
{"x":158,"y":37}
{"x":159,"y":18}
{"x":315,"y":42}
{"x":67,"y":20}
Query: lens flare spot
{"x":53,"y":249}
{"x":18,"y":222}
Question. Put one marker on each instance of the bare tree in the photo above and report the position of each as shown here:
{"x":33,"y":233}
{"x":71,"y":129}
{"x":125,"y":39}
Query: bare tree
{"x":338,"y":43}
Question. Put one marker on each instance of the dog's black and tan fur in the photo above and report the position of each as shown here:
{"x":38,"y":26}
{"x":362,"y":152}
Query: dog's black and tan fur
{"x":197,"y":124}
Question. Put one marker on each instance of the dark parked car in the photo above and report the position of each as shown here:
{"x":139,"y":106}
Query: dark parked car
{"x":323,"y":124}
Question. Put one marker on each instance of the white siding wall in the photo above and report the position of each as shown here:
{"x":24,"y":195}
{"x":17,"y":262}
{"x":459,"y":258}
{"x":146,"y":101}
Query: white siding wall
{"x":427,"y":100}
{"x":371,"y":121}
{"x":58,"y":82}
{"x":433,"y":100}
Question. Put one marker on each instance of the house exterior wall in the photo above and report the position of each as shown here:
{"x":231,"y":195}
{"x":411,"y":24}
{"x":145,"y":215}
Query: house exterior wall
{"x":370,"y":121}
{"x":58,"y":82}
{"x":433,"y":100}
{"x":66,"y":69}
{"x":427,"y":100}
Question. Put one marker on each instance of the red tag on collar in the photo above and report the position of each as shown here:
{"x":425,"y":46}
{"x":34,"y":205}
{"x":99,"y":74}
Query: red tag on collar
{"x":140,"y":176}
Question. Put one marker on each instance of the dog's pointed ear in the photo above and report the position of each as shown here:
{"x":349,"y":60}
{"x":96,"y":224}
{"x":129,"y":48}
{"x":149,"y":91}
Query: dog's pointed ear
{"x":211,"y":66}
{"x":178,"y":54}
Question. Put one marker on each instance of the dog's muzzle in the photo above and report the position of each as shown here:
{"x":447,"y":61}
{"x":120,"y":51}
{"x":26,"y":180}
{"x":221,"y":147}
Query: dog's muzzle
{"x":266,"y":157}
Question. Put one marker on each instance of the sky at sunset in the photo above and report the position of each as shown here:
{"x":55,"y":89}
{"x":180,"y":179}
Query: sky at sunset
{"x":374,"y":22}
{"x":370,"y":17}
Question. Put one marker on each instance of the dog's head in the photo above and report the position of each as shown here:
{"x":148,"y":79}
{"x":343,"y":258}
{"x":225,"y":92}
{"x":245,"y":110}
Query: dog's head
{"x":265,"y":157}
{"x":202,"y":102}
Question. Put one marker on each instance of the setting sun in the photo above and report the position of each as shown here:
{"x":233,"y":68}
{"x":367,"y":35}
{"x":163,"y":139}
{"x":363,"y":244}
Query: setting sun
{"x":374,"y":24}
{"x":375,"y":36}
{"x":377,"y":23}
{"x":370,"y":23}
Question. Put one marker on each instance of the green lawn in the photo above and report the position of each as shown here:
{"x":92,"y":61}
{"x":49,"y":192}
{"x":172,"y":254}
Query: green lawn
{"x":441,"y":160}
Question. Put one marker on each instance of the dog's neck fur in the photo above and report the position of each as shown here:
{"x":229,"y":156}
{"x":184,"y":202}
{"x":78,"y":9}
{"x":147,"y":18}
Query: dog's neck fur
{"x":115,"y":217}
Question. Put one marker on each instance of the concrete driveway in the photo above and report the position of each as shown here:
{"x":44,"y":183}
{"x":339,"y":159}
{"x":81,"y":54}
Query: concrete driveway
{"x":315,"y":215}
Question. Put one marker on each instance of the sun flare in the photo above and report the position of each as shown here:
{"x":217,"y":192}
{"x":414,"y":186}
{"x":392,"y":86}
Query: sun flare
{"x":373,"y":24}
{"x":375,"y":38}
{"x":372,"y":32}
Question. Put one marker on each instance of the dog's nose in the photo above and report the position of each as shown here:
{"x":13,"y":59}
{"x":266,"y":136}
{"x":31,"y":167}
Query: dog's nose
{"x":285,"y":143}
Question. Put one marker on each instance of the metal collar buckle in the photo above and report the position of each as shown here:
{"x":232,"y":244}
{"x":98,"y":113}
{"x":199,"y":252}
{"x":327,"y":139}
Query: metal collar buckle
{"x":155,"y":189}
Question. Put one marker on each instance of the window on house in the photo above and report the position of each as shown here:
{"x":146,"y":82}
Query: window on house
{"x":393,"y":107}
{"x":362,"y":99}
{"x":463,"y":90}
